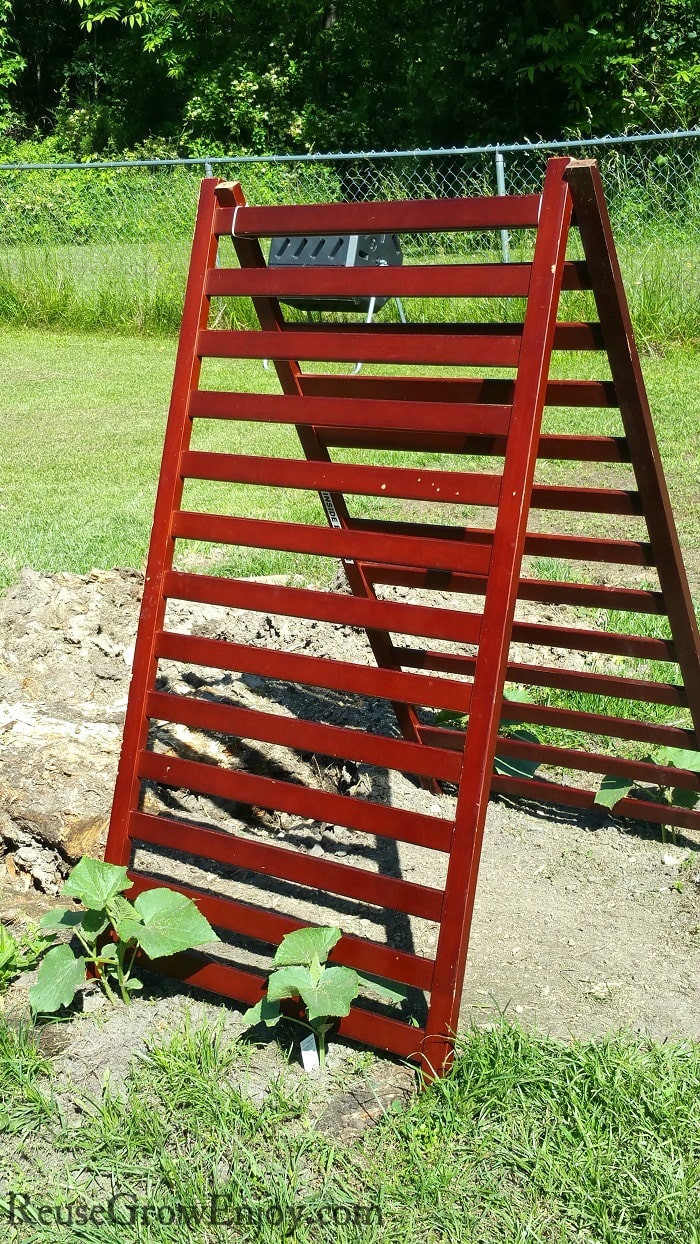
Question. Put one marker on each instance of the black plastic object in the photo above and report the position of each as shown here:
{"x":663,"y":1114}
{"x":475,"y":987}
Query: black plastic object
{"x":365,"y":250}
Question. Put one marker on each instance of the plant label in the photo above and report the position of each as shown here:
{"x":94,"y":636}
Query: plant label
{"x":309,"y":1054}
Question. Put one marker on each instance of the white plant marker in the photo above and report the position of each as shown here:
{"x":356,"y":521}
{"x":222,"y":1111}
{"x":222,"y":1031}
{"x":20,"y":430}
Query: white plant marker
{"x":309,"y":1054}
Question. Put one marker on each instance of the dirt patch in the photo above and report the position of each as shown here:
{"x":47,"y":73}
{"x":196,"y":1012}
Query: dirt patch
{"x":583,"y":923}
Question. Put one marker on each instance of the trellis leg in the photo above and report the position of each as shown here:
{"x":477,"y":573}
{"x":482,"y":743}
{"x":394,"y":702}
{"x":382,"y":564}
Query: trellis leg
{"x":593,"y":221}
{"x":499,"y":607}
{"x":170,"y":486}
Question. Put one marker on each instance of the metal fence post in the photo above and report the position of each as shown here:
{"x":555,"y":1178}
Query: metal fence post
{"x":501,"y":189}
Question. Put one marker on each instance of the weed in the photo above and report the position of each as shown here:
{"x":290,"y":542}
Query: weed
{"x":24,"y":1105}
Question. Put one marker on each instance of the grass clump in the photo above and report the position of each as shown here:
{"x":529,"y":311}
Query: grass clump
{"x":529,"y":1139}
{"x":24,"y":1103}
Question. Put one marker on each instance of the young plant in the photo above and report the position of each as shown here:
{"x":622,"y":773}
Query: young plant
{"x":612,"y":789}
{"x":300,"y":970}
{"x":111,"y":931}
{"x":19,"y":954}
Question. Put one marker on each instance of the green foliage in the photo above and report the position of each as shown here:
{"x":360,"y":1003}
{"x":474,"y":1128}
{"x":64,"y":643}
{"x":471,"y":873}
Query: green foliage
{"x":300,"y":970}
{"x":613,"y":789}
{"x":20,"y":954}
{"x":160,"y":922}
{"x":24,"y":1105}
{"x":304,"y":75}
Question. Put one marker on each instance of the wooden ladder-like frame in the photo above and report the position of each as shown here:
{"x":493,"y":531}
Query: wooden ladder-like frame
{"x":455,"y":415}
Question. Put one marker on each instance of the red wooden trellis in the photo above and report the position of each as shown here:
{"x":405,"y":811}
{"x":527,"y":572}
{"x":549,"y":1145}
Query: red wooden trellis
{"x":465,"y":415}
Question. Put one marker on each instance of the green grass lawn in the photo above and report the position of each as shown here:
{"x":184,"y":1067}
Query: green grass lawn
{"x":527,"y":1141}
{"x":82,"y":431}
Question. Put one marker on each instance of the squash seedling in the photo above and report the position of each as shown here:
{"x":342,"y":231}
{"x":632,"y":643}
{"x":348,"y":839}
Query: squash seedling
{"x":300,"y":970}
{"x":613,"y":788}
{"x":111,"y":931}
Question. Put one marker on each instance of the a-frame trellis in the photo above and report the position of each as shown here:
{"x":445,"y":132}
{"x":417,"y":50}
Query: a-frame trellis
{"x":458,"y":414}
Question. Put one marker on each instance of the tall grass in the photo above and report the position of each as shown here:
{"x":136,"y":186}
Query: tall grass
{"x":108,"y":251}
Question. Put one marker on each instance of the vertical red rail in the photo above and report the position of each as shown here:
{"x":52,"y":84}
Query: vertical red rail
{"x":170,"y":486}
{"x":593,"y":222}
{"x":499,"y":607}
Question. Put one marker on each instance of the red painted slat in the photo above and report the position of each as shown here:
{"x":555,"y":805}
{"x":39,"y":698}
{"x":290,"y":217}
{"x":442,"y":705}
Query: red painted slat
{"x":585,"y":393}
{"x":481,"y":280}
{"x":410,"y":281}
{"x":289,"y":865}
{"x":315,"y":671}
{"x":573,"y":797}
{"x":456,"y":554}
{"x":322,"y":740}
{"x":465,"y":418}
{"x":586,"y":500}
{"x":414,"y":216}
{"x":598,"y":723}
{"x":569,"y":758}
{"x":465,"y":487}
{"x":455,"y":624}
{"x":580,"y":639}
{"x":537,"y":544}
{"x":547,"y":591}
{"x":591,"y":595}
{"x":555,"y":448}
{"x":568,"y":335}
{"x":412,"y":346}
{"x":581,"y":336}
{"x":580,"y":681}
{"x":592,"y":762}
{"x":264,"y":925}
{"x":363,"y":815}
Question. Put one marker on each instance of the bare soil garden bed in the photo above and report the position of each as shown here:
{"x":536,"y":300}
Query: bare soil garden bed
{"x":583,"y":923}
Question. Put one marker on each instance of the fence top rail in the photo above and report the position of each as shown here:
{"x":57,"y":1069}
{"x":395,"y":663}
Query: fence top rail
{"x":563,"y":144}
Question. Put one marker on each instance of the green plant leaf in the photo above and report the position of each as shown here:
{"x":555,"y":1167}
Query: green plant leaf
{"x":94,"y":922}
{"x":681,"y":798}
{"x":518,"y":695}
{"x":611,"y":790}
{"x":386,"y":990}
{"x":94,"y":882}
{"x":171,"y":923}
{"x":291,"y":982}
{"x":513,"y":766}
{"x":448,"y":717}
{"x":264,"y":1012}
{"x":60,"y":976}
{"x":109,"y":953}
{"x":300,"y":946}
{"x":679,"y":757}
{"x":125,"y":918}
{"x":61,"y":918}
{"x":334,"y":995}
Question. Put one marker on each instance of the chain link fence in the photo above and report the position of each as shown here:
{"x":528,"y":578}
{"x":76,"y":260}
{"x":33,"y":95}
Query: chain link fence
{"x":106,"y":245}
